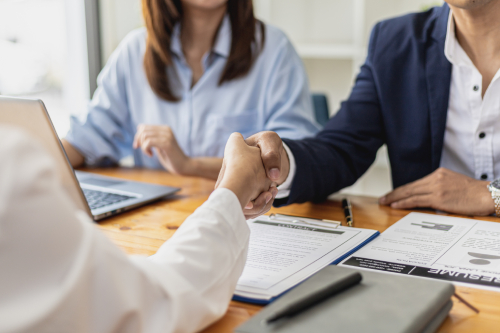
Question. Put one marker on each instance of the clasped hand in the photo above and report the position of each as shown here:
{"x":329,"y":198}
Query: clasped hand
{"x":243,"y":172}
{"x":444,"y":190}
{"x":161,"y":138}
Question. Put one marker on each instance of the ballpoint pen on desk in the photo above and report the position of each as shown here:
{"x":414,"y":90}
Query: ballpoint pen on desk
{"x":294,"y":219}
{"x":317,"y":297}
{"x":346,"y":205}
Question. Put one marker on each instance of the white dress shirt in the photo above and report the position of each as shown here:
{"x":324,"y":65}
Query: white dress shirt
{"x":59,"y":273}
{"x":472,"y":135}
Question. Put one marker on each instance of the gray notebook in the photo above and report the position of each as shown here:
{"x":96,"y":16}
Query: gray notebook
{"x":380,"y":303}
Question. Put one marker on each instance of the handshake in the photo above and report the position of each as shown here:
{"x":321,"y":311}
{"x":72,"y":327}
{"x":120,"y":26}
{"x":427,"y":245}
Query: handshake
{"x":252,"y":169}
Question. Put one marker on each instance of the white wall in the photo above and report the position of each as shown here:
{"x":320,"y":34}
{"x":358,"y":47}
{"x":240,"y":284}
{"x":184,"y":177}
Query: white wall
{"x":330,"y":35}
{"x":118,"y":18}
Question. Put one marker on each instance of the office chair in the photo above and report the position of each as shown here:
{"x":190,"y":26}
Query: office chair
{"x":320,"y":105}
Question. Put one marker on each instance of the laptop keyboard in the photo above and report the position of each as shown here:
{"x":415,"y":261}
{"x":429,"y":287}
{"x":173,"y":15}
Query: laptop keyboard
{"x":98,"y":199}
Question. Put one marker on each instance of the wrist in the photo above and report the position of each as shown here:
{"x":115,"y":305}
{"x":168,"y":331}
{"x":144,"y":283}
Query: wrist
{"x":238,"y":188}
{"x":492,"y":200}
{"x":188,"y":167}
{"x":285,"y":168}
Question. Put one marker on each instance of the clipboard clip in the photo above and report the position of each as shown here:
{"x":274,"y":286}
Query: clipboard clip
{"x":293,"y":219}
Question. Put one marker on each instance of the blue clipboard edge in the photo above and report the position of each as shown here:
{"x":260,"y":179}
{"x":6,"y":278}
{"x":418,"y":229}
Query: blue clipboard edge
{"x":337,"y":261}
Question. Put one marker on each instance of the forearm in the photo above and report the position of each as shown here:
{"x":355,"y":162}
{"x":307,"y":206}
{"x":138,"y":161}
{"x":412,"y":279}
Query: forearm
{"x":207,"y":254}
{"x":206,"y":167}
{"x":323,"y":168}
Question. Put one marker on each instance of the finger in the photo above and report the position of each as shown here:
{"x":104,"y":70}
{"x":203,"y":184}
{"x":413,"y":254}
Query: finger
{"x":415,"y":201}
{"x":262,"y":204}
{"x":259,"y":203}
{"x":263,"y":199}
{"x":419,"y":187}
{"x":271,"y":148}
{"x":274,"y":192}
{"x":148,"y":144}
{"x":137,"y":137}
{"x":262,"y":211}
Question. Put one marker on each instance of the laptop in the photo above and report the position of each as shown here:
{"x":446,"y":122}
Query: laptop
{"x":97,"y":195}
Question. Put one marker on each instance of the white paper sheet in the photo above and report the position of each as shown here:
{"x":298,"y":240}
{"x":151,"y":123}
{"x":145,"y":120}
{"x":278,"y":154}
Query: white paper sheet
{"x":282,"y":254}
{"x":462,"y":251}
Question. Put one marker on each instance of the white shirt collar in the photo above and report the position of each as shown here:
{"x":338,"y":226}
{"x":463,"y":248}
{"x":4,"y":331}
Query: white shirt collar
{"x":452,"y":48}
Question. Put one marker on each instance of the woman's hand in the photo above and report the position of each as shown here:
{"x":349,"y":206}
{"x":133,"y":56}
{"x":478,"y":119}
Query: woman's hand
{"x":162,"y":139}
{"x":243,"y":172}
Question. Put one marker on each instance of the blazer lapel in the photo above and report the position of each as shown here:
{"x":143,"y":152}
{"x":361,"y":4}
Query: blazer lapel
{"x":438,"y":77}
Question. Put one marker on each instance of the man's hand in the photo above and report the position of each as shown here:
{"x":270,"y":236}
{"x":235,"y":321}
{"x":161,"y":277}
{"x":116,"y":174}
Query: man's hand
{"x":277,"y":165}
{"x":243,"y":172}
{"x":443,"y":190}
{"x":161,"y":138}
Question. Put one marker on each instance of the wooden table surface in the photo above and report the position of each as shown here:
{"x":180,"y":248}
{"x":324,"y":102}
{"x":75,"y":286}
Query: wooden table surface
{"x":144,"y":230}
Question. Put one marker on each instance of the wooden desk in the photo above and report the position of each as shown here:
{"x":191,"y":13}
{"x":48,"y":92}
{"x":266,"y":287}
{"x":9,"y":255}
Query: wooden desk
{"x":144,"y":230}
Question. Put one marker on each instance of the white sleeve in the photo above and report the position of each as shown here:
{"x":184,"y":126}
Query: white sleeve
{"x":284,"y":189}
{"x":59,"y":273}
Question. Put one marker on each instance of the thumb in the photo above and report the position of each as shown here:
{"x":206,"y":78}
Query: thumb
{"x":235,"y":142}
{"x":271,"y":148}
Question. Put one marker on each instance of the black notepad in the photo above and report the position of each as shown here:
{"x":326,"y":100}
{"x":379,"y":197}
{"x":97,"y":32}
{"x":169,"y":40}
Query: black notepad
{"x":380,"y":303}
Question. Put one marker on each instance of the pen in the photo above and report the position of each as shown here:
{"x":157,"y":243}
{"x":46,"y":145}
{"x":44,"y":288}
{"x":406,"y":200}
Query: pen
{"x":316,"y":297}
{"x":295,"y":219}
{"x":346,"y":205}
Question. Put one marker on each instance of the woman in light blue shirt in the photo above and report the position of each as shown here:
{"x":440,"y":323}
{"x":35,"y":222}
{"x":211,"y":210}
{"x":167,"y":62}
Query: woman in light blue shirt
{"x":173,"y":92}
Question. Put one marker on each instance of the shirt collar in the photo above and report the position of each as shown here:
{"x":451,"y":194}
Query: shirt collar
{"x":175,"y":44}
{"x":452,"y":48}
{"x":222,"y":45}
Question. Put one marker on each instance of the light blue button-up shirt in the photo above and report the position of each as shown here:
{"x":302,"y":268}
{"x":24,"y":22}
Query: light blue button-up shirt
{"x":273,"y":96}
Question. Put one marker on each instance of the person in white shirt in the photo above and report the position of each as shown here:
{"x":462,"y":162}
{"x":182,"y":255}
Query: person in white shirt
{"x":430,"y":91}
{"x":59,"y":273}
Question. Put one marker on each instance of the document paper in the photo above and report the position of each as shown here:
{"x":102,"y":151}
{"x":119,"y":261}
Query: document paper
{"x":462,"y":251}
{"x":282,"y":254}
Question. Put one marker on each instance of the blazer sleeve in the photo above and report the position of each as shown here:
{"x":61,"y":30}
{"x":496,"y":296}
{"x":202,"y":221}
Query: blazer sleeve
{"x":338,"y":155}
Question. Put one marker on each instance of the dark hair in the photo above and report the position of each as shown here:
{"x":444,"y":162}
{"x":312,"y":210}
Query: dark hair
{"x":162,"y":15}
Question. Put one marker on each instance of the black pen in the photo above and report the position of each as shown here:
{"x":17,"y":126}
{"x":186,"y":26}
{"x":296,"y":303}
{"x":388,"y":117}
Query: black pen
{"x":316,"y":297}
{"x":346,"y":205}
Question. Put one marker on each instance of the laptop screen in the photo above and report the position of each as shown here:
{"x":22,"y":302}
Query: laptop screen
{"x":31,"y":116}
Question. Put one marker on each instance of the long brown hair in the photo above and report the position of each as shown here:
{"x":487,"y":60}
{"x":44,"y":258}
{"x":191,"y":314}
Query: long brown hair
{"x":162,"y":15}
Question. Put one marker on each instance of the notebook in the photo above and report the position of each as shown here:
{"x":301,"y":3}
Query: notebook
{"x":284,"y":251}
{"x":380,"y":303}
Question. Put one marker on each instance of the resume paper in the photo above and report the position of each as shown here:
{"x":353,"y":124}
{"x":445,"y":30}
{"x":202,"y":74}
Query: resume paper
{"x":462,"y":251}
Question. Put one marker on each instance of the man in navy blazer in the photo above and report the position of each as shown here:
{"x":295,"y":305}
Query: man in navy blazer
{"x":430,"y":91}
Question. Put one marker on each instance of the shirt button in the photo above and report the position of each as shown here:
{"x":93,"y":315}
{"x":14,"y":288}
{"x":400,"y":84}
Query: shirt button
{"x":484,"y":176}
{"x":475,"y":88}
{"x":482,"y":135}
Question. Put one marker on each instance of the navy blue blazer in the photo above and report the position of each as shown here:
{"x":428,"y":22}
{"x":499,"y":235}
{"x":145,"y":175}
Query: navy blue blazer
{"x":400,"y":98}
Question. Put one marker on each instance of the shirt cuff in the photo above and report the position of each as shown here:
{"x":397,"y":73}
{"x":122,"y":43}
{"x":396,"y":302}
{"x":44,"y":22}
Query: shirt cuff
{"x":284,"y":189}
